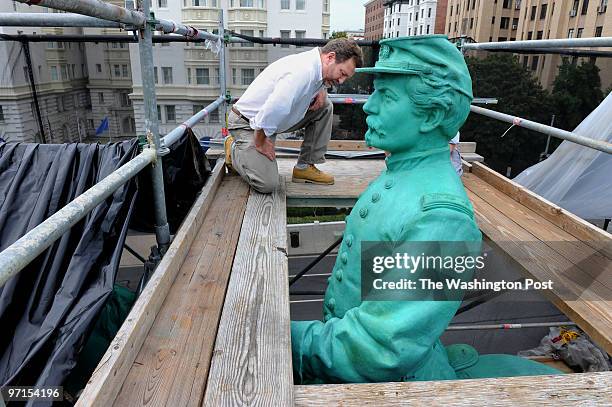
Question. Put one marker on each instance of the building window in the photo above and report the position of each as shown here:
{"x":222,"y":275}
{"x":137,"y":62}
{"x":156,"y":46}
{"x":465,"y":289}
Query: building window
{"x":64,"y":72}
{"x":155,"y":74}
{"x":579,"y":33}
{"x":534,"y":10}
{"x":585,"y":7}
{"x":515,"y":22}
{"x":543,"y":11}
{"x":117,"y":70}
{"x":493,"y":20}
{"x":215,"y":79}
{"x":162,"y":3}
{"x":427,"y":32}
{"x":504,"y":22}
{"x":285,"y":4}
{"x":99,"y":68}
{"x":525,"y":61}
{"x":159,"y":117}
{"x":529,"y":35}
{"x":124,"y":71}
{"x":1,"y":114}
{"x":570,"y":33}
{"x":598,"y":31}
{"x":213,"y":117}
{"x":249,"y":33}
{"x":429,"y":12}
{"x":534,"y":62}
{"x":53,"y":72}
{"x":575,"y":8}
{"x":507,"y":4}
{"x":539,"y":35}
{"x":234,"y":76}
{"x":125,"y":99}
{"x":170,"y":113}
{"x":248,"y":75}
{"x":301,"y":35}
{"x":167,"y":75}
{"x":101,"y":98}
{"x":197,"y":109}
{"x":202,"y":76}
{"x":189,"y":76}
{"x":326,"y":6}
{"x":246,"y":3}
{"x":300,"y":4}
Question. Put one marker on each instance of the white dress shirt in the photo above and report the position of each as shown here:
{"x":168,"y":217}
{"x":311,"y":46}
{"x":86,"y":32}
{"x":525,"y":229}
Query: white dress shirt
{"x":280,"y":96}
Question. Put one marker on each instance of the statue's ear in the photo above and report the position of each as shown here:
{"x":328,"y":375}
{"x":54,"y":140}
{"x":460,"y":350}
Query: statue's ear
{"x":433,"y":118}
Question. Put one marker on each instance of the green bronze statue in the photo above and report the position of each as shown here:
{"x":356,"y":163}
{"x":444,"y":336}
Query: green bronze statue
{"x":422,"y":96}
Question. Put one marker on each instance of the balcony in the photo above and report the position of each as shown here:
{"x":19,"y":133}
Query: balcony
{"x":249,"y":16}
{"x":198,"y":16}
{"x":248,"y":54}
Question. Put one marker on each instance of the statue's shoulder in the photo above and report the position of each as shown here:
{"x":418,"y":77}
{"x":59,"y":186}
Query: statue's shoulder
{"x":443,"y":200}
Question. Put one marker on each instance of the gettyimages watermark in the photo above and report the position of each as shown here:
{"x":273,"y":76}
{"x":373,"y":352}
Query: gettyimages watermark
{"x":447,"y":271}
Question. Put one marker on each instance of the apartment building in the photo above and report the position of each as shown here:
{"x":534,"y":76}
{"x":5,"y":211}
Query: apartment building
{"x":60,"y":76}
{"x":374,"y":19}
{"x":187,"y":74}
{"x":511,"y":20}
{"x":413,"y":17}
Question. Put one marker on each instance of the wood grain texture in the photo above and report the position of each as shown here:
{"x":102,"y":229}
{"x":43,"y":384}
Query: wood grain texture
{"x":251,"y":363}
{"x":567,"y":221}
{"x":172,"y":365}
{"x":106,"y":381}
{"x":543,"y":263}
{"x":592,"y":389}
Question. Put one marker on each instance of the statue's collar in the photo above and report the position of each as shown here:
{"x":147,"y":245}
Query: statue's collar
{"x":409,"y":160}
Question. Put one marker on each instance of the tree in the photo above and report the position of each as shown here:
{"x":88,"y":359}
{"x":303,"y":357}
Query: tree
{"x":338,"y":34}
{"x":519,"y":94}
{"x":576,"y":93}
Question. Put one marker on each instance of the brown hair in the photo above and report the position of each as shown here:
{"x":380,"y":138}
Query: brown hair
{"x":345,"y":49}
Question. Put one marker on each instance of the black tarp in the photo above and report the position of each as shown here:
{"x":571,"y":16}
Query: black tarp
{"x":49,"y":307}
{"x":185,"y":173}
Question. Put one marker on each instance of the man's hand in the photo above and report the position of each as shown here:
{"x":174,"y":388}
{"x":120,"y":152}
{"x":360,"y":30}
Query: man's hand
{"x":264,"y":144}
{"x":319,"y":100}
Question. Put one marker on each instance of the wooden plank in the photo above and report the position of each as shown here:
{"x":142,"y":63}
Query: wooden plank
{"x":251,"y":362}
{"x":543,"y":263}
{"x":567,"y":221}
{"x":591,"y":389}
{"x":182,"y":337}
{"x":106,"y":381}
{"x":581,"y":255}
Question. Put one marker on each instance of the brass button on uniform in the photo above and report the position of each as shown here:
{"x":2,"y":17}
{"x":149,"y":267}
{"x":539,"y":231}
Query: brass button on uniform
{"x":389,"y":183}
{"x":363,"y":212}
{"x":338,"y":274}
{"x":331,"y":304}
{"x":375,"y":197}
{"x":349,"y":240}
{"x":344,"y":258}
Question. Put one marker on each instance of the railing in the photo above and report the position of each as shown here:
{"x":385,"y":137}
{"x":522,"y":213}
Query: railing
{"x":95,"y":13}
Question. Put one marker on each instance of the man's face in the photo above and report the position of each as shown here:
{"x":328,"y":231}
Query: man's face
{"x":393,"y":122}
{"x":336,"y":73}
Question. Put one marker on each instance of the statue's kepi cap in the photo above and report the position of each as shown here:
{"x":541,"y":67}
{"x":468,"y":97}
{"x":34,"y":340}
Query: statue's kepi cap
{"x":424,"y":55}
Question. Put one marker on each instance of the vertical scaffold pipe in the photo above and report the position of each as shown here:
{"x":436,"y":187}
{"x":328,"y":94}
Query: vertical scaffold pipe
{"x":145,"y":45}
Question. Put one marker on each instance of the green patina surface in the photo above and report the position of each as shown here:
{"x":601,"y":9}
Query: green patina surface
{"x":421,"y":99}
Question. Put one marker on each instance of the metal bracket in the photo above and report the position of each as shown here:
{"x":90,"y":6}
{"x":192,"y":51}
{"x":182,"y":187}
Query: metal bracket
{"x":149,"y":268}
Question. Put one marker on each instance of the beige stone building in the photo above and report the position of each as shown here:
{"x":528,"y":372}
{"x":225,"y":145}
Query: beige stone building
{"x":511,"y":20}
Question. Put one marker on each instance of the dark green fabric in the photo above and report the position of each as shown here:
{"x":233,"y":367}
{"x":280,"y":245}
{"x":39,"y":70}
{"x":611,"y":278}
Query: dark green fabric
{"x":111,"y":318}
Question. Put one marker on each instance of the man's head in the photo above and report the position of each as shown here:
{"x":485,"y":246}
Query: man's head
{"x":339,"y":58}
{"x":422,"y":94}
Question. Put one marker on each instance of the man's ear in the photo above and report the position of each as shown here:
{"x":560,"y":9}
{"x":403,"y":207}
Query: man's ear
{"x":330,"y":56}
{"x":433,"y":118}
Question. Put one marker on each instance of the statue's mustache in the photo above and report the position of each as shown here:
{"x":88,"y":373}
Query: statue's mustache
{"x":373,"y":126}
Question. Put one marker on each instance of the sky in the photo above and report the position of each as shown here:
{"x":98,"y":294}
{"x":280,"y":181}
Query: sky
{"x":347,"y":15}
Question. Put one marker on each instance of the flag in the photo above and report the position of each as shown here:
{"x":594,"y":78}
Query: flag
{"x":103,"y":126}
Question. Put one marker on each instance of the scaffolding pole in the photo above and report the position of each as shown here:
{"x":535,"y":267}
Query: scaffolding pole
{"x":178,"y":132}
{"x":565,"y":42}
{"x":222,"y":75}
{"x":94,"y":8}
{"x":145,"y":46}
{"x":354,"y":99}
{"x":509,"y":326}
{"x":542,"y":128}
{"x":54,"y":20}
{"x":18,"y":255}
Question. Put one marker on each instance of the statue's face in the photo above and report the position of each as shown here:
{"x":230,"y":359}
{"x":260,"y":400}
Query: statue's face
{"x":393,"y":122}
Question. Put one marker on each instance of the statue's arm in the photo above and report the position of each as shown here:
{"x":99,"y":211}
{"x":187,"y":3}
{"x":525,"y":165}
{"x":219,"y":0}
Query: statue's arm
{"x":381,"y":340}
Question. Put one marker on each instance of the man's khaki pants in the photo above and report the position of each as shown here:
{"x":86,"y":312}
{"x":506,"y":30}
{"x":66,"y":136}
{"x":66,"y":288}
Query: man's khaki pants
{"x":261,"y":173}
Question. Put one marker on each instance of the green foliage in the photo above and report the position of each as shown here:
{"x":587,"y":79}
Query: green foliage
{"x":338,"y":34}
{"x":576,"y":93}
{"x":519,"y":94}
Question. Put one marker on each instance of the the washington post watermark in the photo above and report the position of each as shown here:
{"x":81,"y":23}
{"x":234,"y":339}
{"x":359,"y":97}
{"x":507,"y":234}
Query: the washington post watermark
{"x":446,"y":271}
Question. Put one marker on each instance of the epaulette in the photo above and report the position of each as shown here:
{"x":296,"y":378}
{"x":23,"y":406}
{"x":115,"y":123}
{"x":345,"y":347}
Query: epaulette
{"x":441,"y":200}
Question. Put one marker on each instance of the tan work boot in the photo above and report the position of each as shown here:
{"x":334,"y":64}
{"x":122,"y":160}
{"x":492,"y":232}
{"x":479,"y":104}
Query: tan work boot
{"x":313,"y":175}
{"x":227,"y":145}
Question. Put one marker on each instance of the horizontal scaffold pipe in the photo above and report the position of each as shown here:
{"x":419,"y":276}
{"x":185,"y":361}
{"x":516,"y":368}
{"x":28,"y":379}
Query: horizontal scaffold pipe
{"x":556,"y":43}
{"x":354,"y":99}
{"x":509,"y":326}
{"x":171,"y":27}
{"x":127,"y":38}
{"x":93,"y":8}
{"x":54,"y":20}
{"x":176,"y":134}
{"x":18,"y":255}
{"x":558,"y":51}
{"x":290,"y":41}
{"x":542,"y":128}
